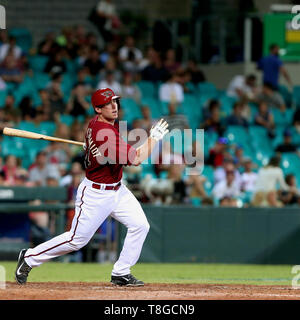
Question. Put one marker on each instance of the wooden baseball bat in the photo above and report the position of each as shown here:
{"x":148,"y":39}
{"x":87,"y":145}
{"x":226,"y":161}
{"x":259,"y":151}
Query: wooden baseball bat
{"x":32,"y":135}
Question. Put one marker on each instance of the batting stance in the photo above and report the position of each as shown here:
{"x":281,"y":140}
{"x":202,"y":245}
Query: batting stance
{"x":101,"y":194}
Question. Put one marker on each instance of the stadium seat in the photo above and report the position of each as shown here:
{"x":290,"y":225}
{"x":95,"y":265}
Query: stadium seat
{"x":237,"y":134}
{"x":147,"y":88}
{"x":290,"y":163}
{"x":226,"y":105}
{"x":296,"y":96}
{"x":210,"y":138}
{"x":287,"y":96}
{"x":132,"y":110}
{"x":38,"y":63}
{"x":283,"y":118}
{"x":41,"y":80}
{"x":157,"y":109}
{"x":23,"y":38}
{"x":47,"y":128}
{"x":3,"y":95}
{"x":208,"y":173}
{"x":207,"y":88}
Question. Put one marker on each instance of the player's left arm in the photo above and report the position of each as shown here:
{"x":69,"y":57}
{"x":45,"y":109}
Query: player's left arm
{"x":157,"y":132}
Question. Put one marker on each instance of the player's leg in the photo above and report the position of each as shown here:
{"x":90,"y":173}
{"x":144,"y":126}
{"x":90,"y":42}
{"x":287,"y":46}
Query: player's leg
{"x":92,"y":207}
{"x":130,"y":213}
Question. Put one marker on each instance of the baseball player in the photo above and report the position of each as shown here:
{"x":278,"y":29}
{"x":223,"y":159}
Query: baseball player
{"x":101,"y":194}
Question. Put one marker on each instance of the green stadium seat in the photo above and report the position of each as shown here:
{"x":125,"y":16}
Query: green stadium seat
{"x":131,"y":109}
{"x":47,"y":127}
{"x":147,"y":88}
{"x":237,"y":134}
{"x":210,"y":139}
{"x":155,"y":106}
{"x":38,"y":63}
{"x":226,"y":105}
{"x":296,"y":96}
{"x":282,"y":118}
{"x":41,"y":80}
{"x":287,"y":96}
{"x":290,"y":163}
{"x":10,"y":147}
{"x":208,"y":173}
{"x":3,"y":95}
{"x":207,"y":88}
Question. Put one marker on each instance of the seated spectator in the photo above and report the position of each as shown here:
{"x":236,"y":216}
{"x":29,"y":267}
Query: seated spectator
{"x":10,"y":71}
{"x":228,"y":165}
{"x":66,"y":40}
{"x":77,"y":104}
{"x":265,"y":194}
{"x":238,"y":157}
{"x":249,"y":177}
{"x":110,"y":67}
{"x":129,"y":89}
{"x":228,"y":187}
{"x":12,"y":115}
{"x":47,"y":46}
{"x":56,"y":94}
{"x":10,"y":48}
{"x":197,"y":75}
{"x":76,"y":170}
{"x":171,"y":91}
{"x":155,"y":71}
{"x":85,"y":79}
{"x":40,"y":170}
{"x":195,"y":184}
{"x":93,"y":63}
{"x":28,"y":112}
{"x":109,"y":53}
{"x":148,"y":58}
{"x":11,"y":170}
{"x":242,"y":87}
{"x":236,"y":118}
{"x":179,"y":195}
{"x":213,"y":123}
{"x":58,"y":153}
{"x":176,"y":120}
{"x":110,"y":82}
{"x":218,"y":153}
{"x":80,"y":35}
{"x":271,"y":97}
{"x":287,"y":145}
{"x":291,"y":196}
{"x":56,"y":64}
{"x":130,"y":56}
{"x":265,"y":118}
{"x":170,"y":62}
{"x":228,"y":202}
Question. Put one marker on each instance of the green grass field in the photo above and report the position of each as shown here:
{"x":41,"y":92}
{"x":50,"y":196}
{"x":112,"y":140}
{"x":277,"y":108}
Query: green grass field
{"x":163,"y":273}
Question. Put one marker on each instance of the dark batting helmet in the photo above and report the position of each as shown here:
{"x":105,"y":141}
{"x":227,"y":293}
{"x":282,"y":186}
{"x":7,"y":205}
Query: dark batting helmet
{"x":102,"y":97}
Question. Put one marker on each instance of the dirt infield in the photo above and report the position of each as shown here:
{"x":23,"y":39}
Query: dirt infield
{"x":153,"y":291}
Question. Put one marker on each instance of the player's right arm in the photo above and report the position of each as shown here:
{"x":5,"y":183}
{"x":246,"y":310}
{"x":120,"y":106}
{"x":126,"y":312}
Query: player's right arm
{"x":157,"y":132}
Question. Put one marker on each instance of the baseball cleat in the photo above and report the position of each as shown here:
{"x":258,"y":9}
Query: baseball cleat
{"x":128,"y":281}
{"x":23,"y":268}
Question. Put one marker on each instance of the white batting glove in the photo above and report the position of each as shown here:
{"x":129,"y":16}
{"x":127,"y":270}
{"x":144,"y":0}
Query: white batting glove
{"x":158,"y":131}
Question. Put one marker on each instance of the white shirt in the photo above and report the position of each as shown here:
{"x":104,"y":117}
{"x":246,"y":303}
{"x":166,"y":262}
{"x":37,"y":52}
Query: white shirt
{"x":249,"y":180}
{"x":124,"y":51}
{"x":238,"y":82}
{"x":268,"y":178}
{"x":171,"y":92}
{"x":220,"y":174}
{"x":114,"y":86}
{"x":4,"y":49}
{"x":221,"y":189}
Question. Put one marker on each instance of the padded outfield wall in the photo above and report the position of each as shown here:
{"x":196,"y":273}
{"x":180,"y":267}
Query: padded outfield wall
{"x":221,"y":235}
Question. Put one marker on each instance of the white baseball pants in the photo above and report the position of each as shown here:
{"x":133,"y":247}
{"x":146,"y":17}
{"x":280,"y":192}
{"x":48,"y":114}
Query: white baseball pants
{"x":92,"y":207}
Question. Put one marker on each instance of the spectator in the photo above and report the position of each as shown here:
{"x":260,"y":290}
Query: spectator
{"x":77,"y":104}
{"x":47,"y":47}
{"x":249,"y":177}
{"x":265,"y":118}
{"x":228,"y":202}
{"x":130,"y":56}
{"x":265,"y":194}
{"x":236,"y":118}
{"x":242,"y":87}
{"x":105,"y":18}
{"x":170,"y":62}
{"x":291,"y":196}
{"x":228,"y":165}
{"x":76,"y":170}
{"x":171,"y":91}
{"x":110,"y":53}
{"x":175,"y":120}
{"x":58,"y":153}
{"x":12,"y":115}
{"x":213,"y":123}
{"x":179,"y":187}
{"x":238,"y":157}
{"x":146,"y":121}
{"x":218,"y":152}
{"x":271,"y":97}
{"x":129,"y":89}
{"x":148,"y":58}
{"x":40,"y":170}
{"x":10,"y":48}
{"x":10,"y":71}
{"x":110,"y":67}
{"x":197,"y":75}
{"x":56,"y":94}
{"x":110,"y":82}
{"x":228,"y":187}
{"x":155,"y":71}
{"x":287,"y":145}
{"x":11,"y":170}
{"x":93,"y":63}
{"x":27,"y":110}
{"x":272,"y":66}
{"x":296,"y":120}
{"x":56,"y":64}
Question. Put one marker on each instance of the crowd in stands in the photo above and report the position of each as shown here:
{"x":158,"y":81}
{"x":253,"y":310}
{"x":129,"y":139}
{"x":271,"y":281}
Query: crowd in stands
{"x":248,"y":128}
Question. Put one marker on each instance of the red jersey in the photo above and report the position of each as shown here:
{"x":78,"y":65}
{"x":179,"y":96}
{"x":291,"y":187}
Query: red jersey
{"x":106,"y":152}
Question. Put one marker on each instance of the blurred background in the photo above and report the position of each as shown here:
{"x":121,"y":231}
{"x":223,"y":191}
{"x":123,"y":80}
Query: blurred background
{"x":230,"y":67}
